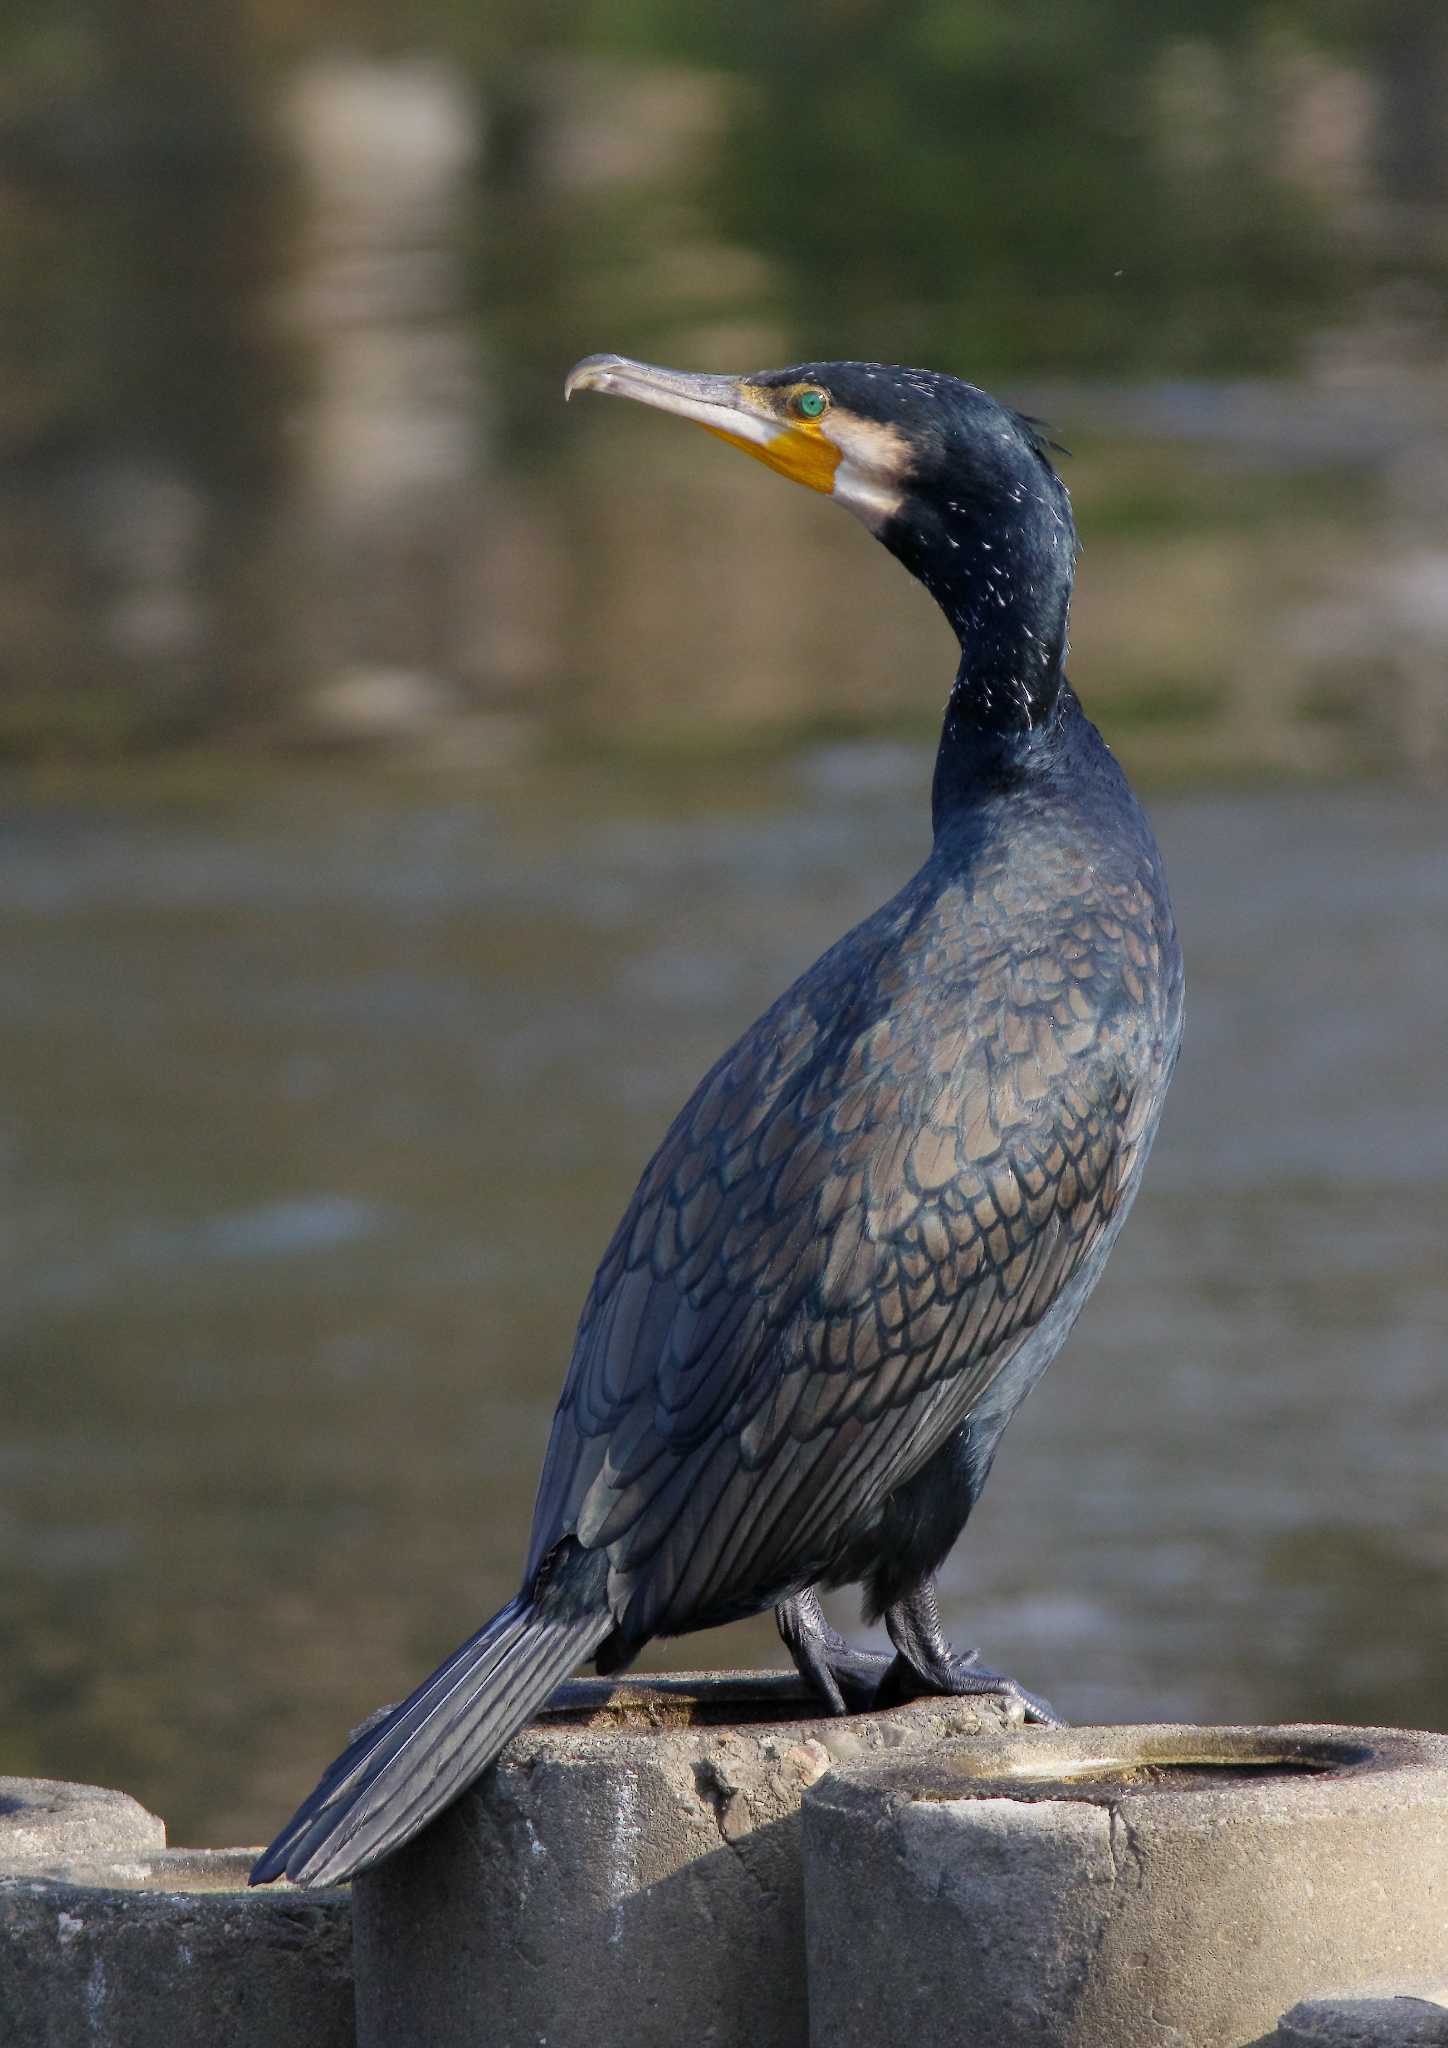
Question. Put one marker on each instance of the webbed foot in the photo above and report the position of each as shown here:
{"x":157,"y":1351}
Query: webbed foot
{"x":846,"y":1679}
{"x":925,"y":1663}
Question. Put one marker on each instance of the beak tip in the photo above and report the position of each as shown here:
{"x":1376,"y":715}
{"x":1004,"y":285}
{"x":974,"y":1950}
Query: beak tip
{"x":718,"y":402}
{"x":591,"y":374}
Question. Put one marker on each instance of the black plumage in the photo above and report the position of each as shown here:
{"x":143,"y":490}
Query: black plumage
{"x":870,"y":1229}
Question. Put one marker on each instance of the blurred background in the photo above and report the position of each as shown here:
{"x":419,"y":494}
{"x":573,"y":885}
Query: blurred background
{"x":409,"y":788}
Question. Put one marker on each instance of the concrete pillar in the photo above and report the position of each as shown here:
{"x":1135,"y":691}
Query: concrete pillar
{"x":1364,"y":2023}
{"x":1093,"y":1887}
{"x":629,"y":1872}
{"x":46,"y":1823}
{"x":110,"y":1940}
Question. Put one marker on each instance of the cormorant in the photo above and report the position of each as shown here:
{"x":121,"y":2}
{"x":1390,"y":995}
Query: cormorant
{"x":872,"y":1225}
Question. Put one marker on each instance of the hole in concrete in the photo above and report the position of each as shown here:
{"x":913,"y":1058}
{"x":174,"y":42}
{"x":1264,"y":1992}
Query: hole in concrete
{"x":200,"y":1870}
{"x":713,"y":1700}
{"x":179,"y":1871}
{"x":1178,"y":1777}
{"x":1241,"y":1758}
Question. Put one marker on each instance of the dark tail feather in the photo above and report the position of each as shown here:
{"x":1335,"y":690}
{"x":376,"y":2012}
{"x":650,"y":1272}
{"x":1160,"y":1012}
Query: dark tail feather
{"x":401,"y":1772}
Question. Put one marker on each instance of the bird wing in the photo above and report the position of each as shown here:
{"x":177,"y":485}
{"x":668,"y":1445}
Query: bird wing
{"x":849,"y":1230}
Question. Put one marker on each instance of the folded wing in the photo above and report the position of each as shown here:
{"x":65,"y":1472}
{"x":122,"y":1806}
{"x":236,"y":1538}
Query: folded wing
{"x":851,"y":1228}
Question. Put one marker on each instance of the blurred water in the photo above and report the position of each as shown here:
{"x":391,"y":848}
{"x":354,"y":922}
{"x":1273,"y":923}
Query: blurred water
{"x":324,"y":1094}
{"x":288,"y":300}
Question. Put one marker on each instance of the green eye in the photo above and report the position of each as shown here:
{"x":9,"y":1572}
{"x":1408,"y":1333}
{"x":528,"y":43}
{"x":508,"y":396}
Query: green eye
{"x":811,"y":404}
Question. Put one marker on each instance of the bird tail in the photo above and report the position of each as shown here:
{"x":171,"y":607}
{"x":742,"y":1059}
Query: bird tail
{"x":406,"y":1767}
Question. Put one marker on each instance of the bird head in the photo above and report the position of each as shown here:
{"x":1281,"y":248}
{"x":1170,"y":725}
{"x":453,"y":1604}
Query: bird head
{"x":957,"y":486}
{"x":873,"y":437}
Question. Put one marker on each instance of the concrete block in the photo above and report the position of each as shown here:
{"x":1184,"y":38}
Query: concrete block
{"x":1097,"y":1887}
{"x":45,"y":1824}
{"x":629,"y":1871}
{"x":1366,"y":2023}
{"x":165,"y":1948}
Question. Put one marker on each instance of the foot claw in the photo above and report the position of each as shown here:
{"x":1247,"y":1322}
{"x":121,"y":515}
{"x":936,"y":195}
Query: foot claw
{"x":964,"y":1678}
{"x":1036,"y":1710}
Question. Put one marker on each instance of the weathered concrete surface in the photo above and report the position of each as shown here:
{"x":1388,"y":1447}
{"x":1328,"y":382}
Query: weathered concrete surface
{"x":628,"y":1872}
{"x":1366,"y":2023}
{"x":1099,"y":1887}
{"x":46,"y":1823}
{"x":164,"y":1948}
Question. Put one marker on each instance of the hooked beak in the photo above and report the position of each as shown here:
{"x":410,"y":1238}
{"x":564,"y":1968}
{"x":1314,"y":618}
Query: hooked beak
{"x":730,"y":407}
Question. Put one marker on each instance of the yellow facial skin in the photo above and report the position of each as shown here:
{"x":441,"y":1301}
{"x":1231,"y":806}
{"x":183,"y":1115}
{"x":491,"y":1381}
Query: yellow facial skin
{"x":801,"y":450}
{"x":858,"y":462}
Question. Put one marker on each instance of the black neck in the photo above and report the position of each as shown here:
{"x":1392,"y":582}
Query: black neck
{"x":1000,"y":568}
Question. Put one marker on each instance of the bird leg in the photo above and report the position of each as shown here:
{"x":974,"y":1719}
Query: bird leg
{"x":925,"y":1663}
{"x":846,"y":1679}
